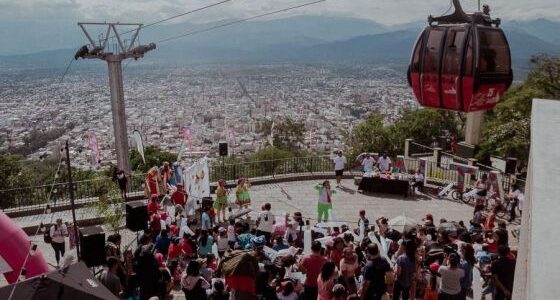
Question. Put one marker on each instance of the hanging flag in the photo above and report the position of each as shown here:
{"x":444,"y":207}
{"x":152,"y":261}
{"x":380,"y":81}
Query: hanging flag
{"x":186,"y":135}
{"x":93,"y":145}
{"x":139,"y":144}
{"x":271,"y":136}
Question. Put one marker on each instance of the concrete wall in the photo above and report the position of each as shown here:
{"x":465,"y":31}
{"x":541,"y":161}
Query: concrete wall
{"x":538,"y":264}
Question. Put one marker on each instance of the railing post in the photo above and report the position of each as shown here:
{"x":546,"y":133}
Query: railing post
{"x":407,"y":148}
{"x":437,"y":156}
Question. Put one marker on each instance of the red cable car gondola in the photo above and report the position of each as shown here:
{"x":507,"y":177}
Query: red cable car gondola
{"x":463,"y":63}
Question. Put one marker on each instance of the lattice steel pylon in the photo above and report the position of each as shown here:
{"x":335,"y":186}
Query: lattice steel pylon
{"x":100,"y":50}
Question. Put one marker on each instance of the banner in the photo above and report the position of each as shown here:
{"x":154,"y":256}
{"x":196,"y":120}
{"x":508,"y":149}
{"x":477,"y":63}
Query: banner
{"x":400,"y":166}
{"x":139,"y":144}
{"x":93,"y":145}
{"x":271,"y":136}
{"x":462,"y":170}
{"x":197,"y":180}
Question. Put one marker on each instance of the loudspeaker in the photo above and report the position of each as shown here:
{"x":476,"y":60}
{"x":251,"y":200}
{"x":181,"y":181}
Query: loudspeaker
{"x":136,"y":215}
{"x":465,"y":150}
{"x":92,"y":245}
{"x":511,"y":165}
{"x":206,"y":203}
{"x":223,"y":149}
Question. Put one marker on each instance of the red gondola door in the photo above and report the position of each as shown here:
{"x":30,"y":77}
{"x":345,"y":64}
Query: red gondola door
{"x":429,"y":78}
{"x":451,"y":69}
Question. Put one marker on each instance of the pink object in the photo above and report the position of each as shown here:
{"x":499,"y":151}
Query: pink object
{"x":14,"y":249}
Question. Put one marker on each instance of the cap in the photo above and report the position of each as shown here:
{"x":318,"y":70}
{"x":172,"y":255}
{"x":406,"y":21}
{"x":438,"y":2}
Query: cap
{"x":434,"y":267}
{"x":429,"y":217}
{"x":362,"y":212}
{"x":221,"y":229}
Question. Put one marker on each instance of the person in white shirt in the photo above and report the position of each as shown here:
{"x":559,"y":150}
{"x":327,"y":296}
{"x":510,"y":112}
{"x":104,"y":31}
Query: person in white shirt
{"x":57,"y":233}
{"x":384,"y":163}
{"x":265,"y":222}
{"x":418,"y":182}
{"x":339,"y":166}
{"x":368,"y":163}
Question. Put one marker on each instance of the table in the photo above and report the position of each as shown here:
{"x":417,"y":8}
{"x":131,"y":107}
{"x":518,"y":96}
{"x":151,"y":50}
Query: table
{"x":386,"y":186}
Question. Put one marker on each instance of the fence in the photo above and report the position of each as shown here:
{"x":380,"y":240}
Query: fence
{"x":22,"y":198}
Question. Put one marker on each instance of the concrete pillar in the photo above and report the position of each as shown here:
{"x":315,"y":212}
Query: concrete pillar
{"x":118,"y":111}
{"x":473,"y":127}
{"x":407,"y":148}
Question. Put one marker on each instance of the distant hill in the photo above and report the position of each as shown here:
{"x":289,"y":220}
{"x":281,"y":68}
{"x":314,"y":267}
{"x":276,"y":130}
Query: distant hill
{"x":301,"y":39}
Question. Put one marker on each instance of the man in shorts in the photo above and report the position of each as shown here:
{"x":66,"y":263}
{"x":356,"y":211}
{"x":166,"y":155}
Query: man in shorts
{"x":339,"y":165}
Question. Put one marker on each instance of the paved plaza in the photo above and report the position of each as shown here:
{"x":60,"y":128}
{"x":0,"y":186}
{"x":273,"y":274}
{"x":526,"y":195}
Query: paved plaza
{"x":302,"y":196}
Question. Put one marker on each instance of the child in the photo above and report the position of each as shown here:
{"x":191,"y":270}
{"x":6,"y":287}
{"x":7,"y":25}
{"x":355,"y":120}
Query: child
{"x":291,"y":233}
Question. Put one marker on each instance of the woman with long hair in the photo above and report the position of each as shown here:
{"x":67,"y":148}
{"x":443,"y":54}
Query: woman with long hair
{"x":406,"y":270}
{"x":205,"y":242}
{"x":193,"y":285}
{"x":326,"y":281}
{"x":348,"y":267}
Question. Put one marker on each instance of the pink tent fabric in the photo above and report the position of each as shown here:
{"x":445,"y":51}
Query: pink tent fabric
{"x":14,"y":248}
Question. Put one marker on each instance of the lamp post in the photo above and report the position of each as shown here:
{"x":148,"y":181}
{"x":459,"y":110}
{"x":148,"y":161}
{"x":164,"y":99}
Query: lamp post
{"x":72,"y":205}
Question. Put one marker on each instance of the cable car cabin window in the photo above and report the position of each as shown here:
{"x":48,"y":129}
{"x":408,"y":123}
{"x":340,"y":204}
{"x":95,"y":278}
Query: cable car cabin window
{"x":493,"y":52}
{"x":453,"y":47}
{"x":415,"y":68}
{"x":469,"y":57}
{"x":432,"y":51}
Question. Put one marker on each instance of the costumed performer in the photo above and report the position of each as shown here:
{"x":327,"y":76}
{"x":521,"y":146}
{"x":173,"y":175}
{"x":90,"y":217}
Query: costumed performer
{"x":243,"y":199}
{"x":325,"y":200}
{"x":152,"y":186}
{"x":221,"y":202}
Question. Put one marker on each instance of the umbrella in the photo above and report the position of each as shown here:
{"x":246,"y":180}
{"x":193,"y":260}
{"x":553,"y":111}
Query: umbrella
{"x":402,"y":223}
{"x":240,"y":269}
{"x":449,"y":227}
{"x":71,"y":283}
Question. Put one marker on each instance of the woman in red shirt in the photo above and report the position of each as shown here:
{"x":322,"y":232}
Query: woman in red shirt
{"x":335,"y":254}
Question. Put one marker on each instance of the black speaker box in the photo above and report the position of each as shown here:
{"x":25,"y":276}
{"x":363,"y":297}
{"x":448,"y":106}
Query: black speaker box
{"x":465,"y":150}
{"x":223,"y":149}
{"x":511,"y":165}
{"x":92,"y":245}
{"x":136,"y":216}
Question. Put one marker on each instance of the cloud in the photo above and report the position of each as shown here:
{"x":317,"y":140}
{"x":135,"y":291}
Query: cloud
{"x":382,"y":11}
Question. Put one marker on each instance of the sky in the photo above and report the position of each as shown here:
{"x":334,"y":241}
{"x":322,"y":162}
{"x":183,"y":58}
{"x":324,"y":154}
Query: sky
{"x":387,"y":11}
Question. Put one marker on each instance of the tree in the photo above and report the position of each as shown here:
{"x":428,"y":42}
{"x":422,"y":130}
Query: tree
{"x":426,"y":125}
{"x":506,"y":131}
{"x":371,"y":136}
{"x":154,"y":156}
{"x":287,"y":134}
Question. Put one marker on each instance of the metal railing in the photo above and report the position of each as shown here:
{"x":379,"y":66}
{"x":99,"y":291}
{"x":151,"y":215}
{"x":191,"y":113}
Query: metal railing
{"x":24,"y":198}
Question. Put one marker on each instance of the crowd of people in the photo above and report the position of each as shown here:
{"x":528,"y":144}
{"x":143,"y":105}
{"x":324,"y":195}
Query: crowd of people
{"x":270,"y":256}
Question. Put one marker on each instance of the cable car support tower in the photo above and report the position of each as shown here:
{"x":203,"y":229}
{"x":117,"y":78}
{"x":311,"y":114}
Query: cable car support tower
{"x":101,"y":50}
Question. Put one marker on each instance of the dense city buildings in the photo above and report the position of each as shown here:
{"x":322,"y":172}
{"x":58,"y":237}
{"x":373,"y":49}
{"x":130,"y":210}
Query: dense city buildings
{"x":216,"y":102}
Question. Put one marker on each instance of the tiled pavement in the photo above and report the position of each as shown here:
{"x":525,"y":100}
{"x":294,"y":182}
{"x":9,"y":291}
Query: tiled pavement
{"x":303,"y":195}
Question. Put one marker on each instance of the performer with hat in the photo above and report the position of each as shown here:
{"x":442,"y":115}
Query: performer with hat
{"x":221,"y":202}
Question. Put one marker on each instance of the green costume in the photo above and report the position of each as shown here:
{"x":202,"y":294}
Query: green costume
{"x":221,"y":198}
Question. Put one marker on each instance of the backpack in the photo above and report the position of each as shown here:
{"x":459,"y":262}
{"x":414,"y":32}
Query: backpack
{"x":47,"y":235}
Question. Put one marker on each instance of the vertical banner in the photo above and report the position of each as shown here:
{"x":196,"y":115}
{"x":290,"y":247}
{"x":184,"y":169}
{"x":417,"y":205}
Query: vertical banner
{"x":495,"y":183}
{"x":271,"y":136}
{"x":94,"y":146}
{"x":187,"y":138}
{"x":462,"y":170}
{"x":139,"y":144}
{"x":198,"y":182}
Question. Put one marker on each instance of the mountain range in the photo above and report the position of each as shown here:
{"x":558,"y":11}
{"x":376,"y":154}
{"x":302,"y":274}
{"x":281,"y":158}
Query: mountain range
{"x":301,"y":39}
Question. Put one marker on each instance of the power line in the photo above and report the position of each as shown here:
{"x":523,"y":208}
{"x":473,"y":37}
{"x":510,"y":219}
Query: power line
{"x":155,"y":23}
{"x":238,"y":21}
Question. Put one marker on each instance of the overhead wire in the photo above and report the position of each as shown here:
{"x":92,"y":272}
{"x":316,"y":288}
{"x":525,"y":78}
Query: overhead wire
{"x":156,"y":23}
{"x":238,"y":21}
